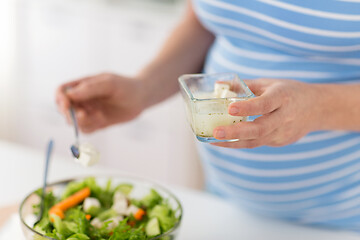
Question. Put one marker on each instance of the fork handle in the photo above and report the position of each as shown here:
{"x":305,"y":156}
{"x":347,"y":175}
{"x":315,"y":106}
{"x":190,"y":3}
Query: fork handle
{"x":73,"y":118}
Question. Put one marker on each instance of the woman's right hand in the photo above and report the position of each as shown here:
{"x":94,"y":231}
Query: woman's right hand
{"x":102,"y":100}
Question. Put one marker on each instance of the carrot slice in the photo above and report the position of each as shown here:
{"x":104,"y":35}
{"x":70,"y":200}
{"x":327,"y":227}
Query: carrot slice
{"x":88,"y":216}
{"x":139,"y":214}
{"x":70,"y":202}
{"x":56,"y":211}
{"x":74,"y":199}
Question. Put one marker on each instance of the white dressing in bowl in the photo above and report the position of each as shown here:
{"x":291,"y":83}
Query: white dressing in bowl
{"x":212,"y":113}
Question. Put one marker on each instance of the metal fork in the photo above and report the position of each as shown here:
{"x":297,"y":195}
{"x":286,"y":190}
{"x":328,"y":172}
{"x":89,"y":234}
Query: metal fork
{"x":75,"y":147}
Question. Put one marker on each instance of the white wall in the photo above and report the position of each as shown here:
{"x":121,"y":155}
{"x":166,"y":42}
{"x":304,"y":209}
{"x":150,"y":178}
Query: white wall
{"x":60,"y":40}
{"x":7,"y":59}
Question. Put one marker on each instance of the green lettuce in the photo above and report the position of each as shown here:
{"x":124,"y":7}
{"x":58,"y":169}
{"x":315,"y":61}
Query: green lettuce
{"x":165,"y":215}
{"x":152,"y":199}
{"x":124,"y":232}
{"x":44,"y":225}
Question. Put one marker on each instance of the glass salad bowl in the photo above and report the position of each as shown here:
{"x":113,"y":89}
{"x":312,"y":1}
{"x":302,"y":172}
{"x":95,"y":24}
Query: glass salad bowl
{"x":207,"y":98}
{"x":140,"y":188}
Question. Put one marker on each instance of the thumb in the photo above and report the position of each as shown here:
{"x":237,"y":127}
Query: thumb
{"x":90,"y":89}
{"x":257,"y":86}
{"x":266,"y":103}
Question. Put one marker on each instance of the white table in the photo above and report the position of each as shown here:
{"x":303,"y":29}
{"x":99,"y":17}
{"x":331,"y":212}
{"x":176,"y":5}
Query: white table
{"x":205,"y":216}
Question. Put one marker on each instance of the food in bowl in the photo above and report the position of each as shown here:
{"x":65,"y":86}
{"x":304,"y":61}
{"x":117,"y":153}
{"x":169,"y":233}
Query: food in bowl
{"x":85,"y":210}
{"x":213,"y":113}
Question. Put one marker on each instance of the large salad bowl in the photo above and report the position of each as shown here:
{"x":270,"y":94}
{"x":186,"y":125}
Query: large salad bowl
{"x":140,"y":189}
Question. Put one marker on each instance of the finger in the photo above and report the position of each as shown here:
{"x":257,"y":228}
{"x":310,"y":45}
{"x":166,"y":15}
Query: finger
{"x":92,"y":88}
{"x":71,"y":84}
{"x":268,"y":102}
{"x":249,"y":143}
{"x":84,"y":120}
{"x":256,"y":86}
{"x":89,"y":122}
{"x":252,"y":143}
{"x":89,"y":107}
{"x":62,"y":100}
{"x":237,"y":87}
{"x":259,"y":128}
{"x":66,"y":86}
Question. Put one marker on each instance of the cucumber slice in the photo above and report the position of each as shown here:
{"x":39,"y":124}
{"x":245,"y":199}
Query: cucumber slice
{"x":107,"y":214}
{"x":125,"y":188}
{"x":152,"y":228}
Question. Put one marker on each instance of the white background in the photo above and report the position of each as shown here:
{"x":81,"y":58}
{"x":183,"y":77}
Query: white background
{"x":47,"y":42}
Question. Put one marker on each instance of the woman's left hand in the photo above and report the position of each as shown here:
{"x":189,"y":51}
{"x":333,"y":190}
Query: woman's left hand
{"x":289,"y":111}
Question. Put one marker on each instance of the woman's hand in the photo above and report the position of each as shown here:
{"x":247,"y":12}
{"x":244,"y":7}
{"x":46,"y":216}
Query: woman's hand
{"x":289,"y":111}
{"x":101,"y":100}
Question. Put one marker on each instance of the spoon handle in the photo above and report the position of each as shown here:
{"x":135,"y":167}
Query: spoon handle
{"x":46,"y":170}
{"x":73,"y":117}
{"x":48,"y":155}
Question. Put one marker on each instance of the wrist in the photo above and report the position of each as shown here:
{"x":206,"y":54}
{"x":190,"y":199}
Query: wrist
{"x":149,"y":90}
{"x":323,"y":107}
{"x":142,"y":90}
{"x":157,"y":84}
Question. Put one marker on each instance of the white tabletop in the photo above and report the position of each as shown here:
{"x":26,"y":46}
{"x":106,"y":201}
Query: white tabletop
{"x":205,"y":216}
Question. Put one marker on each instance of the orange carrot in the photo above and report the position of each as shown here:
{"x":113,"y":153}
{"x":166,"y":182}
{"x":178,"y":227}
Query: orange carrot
{"x":56,"y":211}
{"x":88,"y":216}
{"x":139,"y":214}
{"x":73,"y":200}
{"x":69,"y":202}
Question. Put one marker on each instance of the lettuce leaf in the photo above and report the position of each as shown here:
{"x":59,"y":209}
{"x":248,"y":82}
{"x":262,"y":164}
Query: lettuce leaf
{"x":165,"y":215}
{"x":44,"y":225}
{"x":61,"y":228}
{"x":78,"y":236}
{"x":78,"y":218}
{"x":124,"y":232}
{"x":152,"y":199}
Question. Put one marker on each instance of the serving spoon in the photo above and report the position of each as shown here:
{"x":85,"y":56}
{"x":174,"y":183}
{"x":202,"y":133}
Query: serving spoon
{"x":46,"y":170}
{"x":75,"y":147}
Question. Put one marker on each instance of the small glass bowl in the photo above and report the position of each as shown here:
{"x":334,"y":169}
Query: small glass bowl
{"x":205,"y":112}
{"x":140,"y":189}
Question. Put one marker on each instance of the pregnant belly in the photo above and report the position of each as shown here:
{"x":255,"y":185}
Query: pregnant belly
{"x":314,"y":181}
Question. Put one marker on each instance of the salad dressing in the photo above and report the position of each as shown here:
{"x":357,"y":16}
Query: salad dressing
{"x":209,"y":114}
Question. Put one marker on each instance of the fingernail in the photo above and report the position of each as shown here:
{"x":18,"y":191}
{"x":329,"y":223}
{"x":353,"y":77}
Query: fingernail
{"x":233,"y":110}
{"x":69,"y":90}
{"x":219,"y":133}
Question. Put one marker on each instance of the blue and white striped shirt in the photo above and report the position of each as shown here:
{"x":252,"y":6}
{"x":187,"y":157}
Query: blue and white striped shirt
{"x":317,"y":179}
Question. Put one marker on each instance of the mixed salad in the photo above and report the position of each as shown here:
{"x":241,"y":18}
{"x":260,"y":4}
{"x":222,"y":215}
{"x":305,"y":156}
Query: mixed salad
{"x":87,"y":211}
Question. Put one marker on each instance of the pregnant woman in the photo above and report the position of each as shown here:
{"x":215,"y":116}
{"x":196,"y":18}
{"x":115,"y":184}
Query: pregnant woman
{"x":300,"y":160}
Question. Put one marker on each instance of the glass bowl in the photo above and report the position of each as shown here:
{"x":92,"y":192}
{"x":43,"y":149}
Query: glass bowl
{"x":206,"y":112}
{"x":140,"y":188}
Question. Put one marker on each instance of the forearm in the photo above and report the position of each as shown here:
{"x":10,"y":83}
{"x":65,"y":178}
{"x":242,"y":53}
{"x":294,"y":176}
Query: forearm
{"x":338,"y":107}
{"x":183,"y":52}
